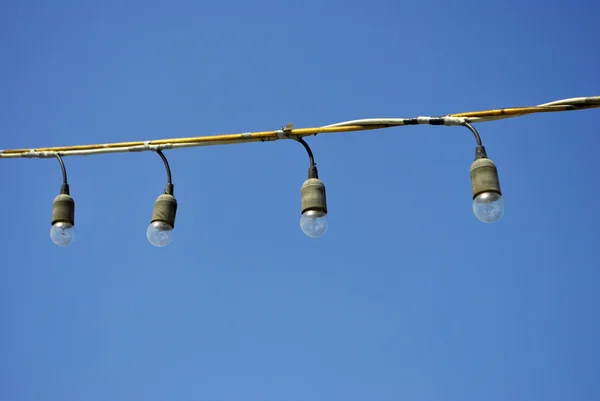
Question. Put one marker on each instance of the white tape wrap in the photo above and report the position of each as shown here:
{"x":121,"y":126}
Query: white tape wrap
{"x":454,"y":120}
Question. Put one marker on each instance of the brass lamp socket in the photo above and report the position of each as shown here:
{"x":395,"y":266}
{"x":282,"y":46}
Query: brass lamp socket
{"x":314,"y":196}
{"x":63,"y":209}
{"x":165,"y":209}
{"x":484,"y":177}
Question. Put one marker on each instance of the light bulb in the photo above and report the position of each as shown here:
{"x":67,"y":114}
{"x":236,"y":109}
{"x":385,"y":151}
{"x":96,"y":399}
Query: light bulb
{"x":313,"y":223}
{"x":62,"y":233}
{"x":488,"y":206}
{"x":159,"y":233}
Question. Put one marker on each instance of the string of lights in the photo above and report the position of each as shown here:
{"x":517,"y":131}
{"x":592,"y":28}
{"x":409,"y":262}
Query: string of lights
{"x":488,"y":203}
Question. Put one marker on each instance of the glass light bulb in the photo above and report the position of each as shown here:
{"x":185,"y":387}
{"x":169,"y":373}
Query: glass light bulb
{"x":159,"y":233}
{"x":313,"y":223}
{"x":62,"y":233}
{"x":488,"y":207}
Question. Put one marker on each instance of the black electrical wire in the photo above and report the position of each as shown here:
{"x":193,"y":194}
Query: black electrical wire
{"x":62,"y":166}
{"x":308,"y":150}
{"x":164,"y":159}
{"x":474,"y":131}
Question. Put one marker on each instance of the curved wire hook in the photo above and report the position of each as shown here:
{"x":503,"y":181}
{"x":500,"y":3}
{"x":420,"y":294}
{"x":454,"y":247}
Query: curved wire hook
{"x":475,"y":133}
{"x":169,"y":187}
{"x":311,"y":157}
{"x":62,"y":167}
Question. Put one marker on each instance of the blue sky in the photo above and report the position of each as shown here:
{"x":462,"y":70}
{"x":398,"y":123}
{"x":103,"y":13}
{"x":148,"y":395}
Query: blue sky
{"x":406,"y":297}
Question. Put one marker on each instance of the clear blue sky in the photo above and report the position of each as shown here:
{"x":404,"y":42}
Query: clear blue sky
{"x":406,"y":297}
